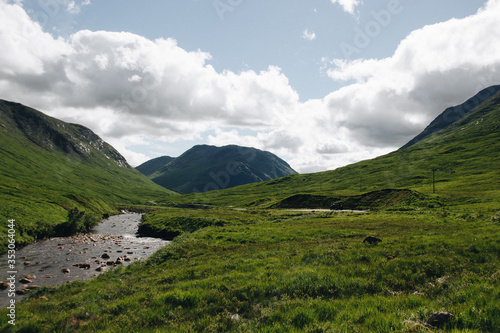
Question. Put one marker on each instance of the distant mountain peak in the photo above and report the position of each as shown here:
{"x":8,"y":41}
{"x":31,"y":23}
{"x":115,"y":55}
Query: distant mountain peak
{"x":204,"y":168}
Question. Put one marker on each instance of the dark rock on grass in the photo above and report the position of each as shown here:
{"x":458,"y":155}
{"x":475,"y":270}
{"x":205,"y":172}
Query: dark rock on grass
{"x":438,"y":319}
{"x":372,"y":240}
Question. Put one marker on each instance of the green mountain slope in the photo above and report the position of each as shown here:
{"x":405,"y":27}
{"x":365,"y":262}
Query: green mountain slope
{"x":150,"y":167}
{"x":48,"y":167}
{"x":464,"y":155}
{"x":452,"y":114}
{"x":204,"y":168}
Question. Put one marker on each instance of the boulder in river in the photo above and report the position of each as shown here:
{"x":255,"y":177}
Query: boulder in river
{"x":33,"y":286}
{"x":82,"y":265}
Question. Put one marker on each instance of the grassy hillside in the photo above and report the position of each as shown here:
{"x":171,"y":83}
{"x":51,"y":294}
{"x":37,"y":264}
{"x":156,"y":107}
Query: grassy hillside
{"x":453,"y":114}
{"x":48,"y":167}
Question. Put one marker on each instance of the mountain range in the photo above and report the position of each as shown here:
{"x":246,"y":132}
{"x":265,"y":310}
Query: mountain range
{"x":426,"y":248}
{"x":205,"y":168}
{"x":457,"y":158}
{"x":49,"y":167}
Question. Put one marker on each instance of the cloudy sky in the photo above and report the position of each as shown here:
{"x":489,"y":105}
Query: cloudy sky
{"x":320,"y":83}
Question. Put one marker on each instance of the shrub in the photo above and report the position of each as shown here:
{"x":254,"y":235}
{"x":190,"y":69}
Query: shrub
{"x":78,"y":222}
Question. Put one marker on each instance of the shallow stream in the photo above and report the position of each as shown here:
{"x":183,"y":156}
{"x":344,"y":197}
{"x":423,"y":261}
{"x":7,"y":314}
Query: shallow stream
{"x":81,"y":257}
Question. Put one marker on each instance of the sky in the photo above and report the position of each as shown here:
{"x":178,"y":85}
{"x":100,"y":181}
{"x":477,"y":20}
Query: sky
{"x":320,"y":83}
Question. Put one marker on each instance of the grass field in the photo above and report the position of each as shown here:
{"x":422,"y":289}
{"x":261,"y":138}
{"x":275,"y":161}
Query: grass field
{"x":280,"y":271}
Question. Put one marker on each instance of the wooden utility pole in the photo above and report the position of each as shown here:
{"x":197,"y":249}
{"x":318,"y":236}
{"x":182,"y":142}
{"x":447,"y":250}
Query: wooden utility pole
{"x":434,"y":179}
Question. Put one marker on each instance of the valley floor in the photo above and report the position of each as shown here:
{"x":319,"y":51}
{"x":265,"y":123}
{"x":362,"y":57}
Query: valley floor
{"x":288,"y":271}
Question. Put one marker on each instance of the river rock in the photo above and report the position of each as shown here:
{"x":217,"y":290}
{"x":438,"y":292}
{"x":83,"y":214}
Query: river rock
{"x":33,"y":286}
{"x":4,"y":285}
{"x":65,"y":270}
{"x":30,"y":276}
{"x":25,"y":280}
{"x":105,"y":256}
{"x":84,"y":266}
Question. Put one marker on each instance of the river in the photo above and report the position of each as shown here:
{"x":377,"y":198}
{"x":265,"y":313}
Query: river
{"x":63,"y":259}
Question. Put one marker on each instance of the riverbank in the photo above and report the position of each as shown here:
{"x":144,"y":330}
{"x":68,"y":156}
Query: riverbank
{"x":61,"y":260}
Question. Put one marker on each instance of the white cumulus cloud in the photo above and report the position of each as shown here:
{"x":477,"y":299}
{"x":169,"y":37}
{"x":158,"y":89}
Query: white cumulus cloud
{"x":348,"y":5}
{"x":433,"y":68}
{"x":308,"y":35}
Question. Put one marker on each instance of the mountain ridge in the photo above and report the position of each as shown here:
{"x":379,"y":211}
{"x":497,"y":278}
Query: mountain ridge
{"x":204,"y":167}
{"x":453,"y":114}
{"x":151,"y":166}
{"x":456,"y":162}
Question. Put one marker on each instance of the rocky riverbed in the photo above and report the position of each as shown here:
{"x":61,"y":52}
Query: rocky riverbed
{"x":80,"y":257}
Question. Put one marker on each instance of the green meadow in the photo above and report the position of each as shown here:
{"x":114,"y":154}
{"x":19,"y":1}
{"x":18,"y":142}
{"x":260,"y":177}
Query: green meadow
{"x":263,"y":270}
